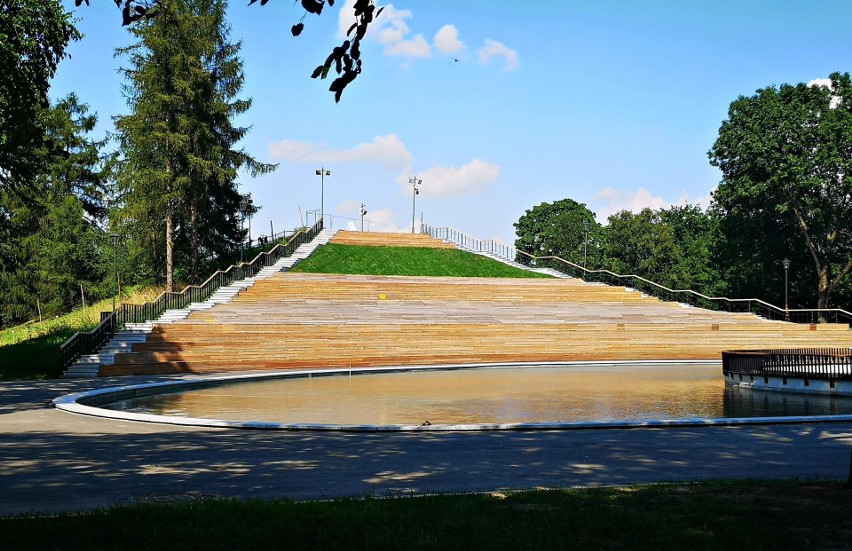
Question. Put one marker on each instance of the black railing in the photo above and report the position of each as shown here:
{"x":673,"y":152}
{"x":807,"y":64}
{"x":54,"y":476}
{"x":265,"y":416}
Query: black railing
{"x":87,"y":342}
{"x":686,"y":296}
{"x":832,"y":364}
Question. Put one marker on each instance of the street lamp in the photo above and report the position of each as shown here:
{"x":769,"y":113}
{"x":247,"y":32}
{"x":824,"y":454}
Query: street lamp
{"x":786,"y":263}
{"x":243,"y":208}
{"x":363,"y":214}
{"x":114,"y":237}
{"x":322,"y":173}
{"x":585,"y":241}
{"x":414,"y":183}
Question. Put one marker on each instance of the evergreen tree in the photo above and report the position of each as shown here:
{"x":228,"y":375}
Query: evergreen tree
{"x":52,"y":244}
{"x":180,"y":163}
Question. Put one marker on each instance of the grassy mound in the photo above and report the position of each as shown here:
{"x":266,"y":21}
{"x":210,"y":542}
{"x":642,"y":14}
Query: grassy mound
{"x":411,"y":261}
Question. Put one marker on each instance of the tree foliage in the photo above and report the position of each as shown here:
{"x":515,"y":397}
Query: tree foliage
{"x":345,"y":59}
{"x":556,"y":229}
{"x":53,"y":248}
{"x":177,"y":178}
{"x":33,"y":38}
{"x":786,"y":156}
{"x":674,"y":247}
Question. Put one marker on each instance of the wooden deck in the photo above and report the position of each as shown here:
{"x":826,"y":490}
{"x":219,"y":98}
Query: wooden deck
{"x":371,"y":239}
{"x":311,"y":320}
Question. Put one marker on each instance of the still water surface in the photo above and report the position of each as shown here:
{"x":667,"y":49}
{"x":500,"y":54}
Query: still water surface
{"x":493,"y":395}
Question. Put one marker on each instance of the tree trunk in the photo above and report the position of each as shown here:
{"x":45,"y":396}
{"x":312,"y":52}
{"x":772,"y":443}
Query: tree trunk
{"x":170,"y":237}
{"x":193,"y":237}
{"x":824,"y":291}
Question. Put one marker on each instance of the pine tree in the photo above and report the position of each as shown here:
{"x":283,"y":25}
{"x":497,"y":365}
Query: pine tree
{"x":52,"y":243}
{"x":179,"y":159}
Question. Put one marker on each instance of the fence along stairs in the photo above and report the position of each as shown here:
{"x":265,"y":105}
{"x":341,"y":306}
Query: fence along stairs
{"x":319,"y":320}
{"x":123,"y":340}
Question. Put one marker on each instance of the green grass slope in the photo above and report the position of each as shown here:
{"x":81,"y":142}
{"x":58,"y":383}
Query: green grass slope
{"x":30,"y":351}
{"x":411,"y":261}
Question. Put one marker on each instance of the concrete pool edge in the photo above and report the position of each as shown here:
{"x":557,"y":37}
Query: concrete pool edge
{"x":87,"y":402}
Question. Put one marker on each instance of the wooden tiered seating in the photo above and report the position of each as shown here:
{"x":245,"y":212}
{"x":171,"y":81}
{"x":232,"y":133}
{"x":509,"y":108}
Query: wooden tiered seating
{"x":389,"y":240}
{"x":311,"y":320}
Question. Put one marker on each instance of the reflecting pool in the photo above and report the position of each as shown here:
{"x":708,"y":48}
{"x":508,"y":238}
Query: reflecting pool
{"x":543,"y":394}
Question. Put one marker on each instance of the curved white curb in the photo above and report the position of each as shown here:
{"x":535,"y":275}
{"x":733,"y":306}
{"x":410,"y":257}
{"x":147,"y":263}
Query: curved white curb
{"x":86,"y":403}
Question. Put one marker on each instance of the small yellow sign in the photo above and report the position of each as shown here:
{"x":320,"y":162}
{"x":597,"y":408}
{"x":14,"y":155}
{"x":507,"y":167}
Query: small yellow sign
{"x":382,"y":296}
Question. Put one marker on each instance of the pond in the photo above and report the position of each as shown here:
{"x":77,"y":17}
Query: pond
{"x":487,"y":395}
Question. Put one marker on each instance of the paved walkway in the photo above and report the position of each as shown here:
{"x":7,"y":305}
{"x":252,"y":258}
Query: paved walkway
{"x":54,"y":461}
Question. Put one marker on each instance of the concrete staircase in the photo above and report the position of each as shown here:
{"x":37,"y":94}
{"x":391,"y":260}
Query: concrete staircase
{"x":88,"y":366}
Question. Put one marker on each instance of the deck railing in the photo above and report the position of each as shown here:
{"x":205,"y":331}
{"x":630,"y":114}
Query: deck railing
{"x":832,"y":364}
{"x":686,"y":296}
{"x":87,"y":342}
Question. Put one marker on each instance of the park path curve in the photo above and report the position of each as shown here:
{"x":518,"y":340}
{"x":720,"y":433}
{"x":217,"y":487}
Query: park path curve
{"x":52,"y":461}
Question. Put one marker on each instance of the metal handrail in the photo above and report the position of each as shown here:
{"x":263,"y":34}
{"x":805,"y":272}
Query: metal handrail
{"x":812,"y":363}
{"x":688,"y":296}
{"x":86,"y":342}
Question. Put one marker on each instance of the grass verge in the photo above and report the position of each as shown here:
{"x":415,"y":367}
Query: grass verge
{"x":714,"y":515}
{"x":411,"y":261}
{"x":30,"y":351}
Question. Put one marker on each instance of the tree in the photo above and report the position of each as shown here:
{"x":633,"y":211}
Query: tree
{"x":786,"y":157}
{"x":33,"y":37}
{"x":178,"y":144}
{"x":641,"y":244}
{"x":556,"y":229}
{"x":53,"y":245}
{"x":695,"y":234}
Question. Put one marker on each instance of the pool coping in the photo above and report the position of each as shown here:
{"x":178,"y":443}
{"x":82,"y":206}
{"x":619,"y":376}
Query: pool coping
{"x":87,"y":402}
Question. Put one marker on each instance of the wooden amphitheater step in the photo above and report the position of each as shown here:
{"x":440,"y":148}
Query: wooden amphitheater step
{"x":344,"y":237}
{"x":308,"y":320}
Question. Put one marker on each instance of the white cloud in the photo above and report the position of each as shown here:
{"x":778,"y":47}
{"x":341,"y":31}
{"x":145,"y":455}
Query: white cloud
{"x":415,"y":47}
{"x":442,"y":181}
{"x":381,"y":220}
{"x":349,"y":207}
{"x":388,"y":150}
{"x":447,"y":40}
{"x":389,"y":29}
{"x":614,"y":201}
{"x":493,"y":49}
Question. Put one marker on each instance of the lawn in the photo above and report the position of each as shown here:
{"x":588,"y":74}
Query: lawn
{"x":713,"y":515}
{"x":411,"y":261}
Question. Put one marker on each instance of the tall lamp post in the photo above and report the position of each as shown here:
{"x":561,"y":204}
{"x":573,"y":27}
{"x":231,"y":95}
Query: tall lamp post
{"x":322,"y":173}
{"x":414,"y":183}
{"x":363,"y":214}
{"x":786,"y":263}
{"x":585,"y":241}
{"x":243,"y":208}
{"x":114,"y":237}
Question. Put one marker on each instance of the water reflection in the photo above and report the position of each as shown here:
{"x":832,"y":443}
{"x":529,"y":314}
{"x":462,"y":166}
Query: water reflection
{"x":504,"y":395}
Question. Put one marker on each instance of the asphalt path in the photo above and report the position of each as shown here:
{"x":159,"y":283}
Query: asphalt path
{"x":52,"y":461}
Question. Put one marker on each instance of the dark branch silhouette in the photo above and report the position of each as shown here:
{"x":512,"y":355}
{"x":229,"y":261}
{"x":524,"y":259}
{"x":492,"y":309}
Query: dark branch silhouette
{"x":345,"y":58}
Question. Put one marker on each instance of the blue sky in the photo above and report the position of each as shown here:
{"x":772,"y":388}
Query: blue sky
{"x":611,"y":103}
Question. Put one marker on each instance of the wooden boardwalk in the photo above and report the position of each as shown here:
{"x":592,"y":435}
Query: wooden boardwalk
{"x":311,"y":320}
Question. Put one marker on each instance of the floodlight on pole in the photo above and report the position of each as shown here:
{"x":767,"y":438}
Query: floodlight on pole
{"x":414,"y":183}
{"x":786,"y":264}
{"x":363,"y":214}
{"x":322,"y":173}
